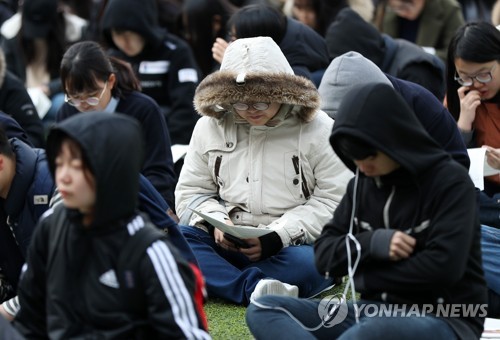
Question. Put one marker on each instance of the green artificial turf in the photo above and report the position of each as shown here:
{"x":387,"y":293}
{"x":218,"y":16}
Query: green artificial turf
{"x":227,"y":321}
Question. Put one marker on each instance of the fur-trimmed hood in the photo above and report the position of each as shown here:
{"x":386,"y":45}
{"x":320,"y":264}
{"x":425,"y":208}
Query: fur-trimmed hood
{"x":255,"y":70}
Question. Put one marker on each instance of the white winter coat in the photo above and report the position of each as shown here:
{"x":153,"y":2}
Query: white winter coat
{"x":284,"y":175}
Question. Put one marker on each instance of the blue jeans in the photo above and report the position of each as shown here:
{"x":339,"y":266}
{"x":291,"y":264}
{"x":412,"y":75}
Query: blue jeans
{"x":490,"y":246}
{"x":232,"y":276}
{"x":270,"y":321}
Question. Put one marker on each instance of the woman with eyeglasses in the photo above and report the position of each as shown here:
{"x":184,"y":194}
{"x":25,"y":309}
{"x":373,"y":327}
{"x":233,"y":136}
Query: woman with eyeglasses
{"x":259,"y":158}
{"x":473,"y":98}
{"x":93,"y":81}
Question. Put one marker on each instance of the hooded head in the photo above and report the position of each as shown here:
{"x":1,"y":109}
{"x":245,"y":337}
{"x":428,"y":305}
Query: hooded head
{"x":111,"y":146}
{"x":376,"y":116}
{"x":344,"y":73}
{"x":255,"y":70}
{"x":350,"y":32}
{"x":139,"y":16}
{"x":37,"y":17}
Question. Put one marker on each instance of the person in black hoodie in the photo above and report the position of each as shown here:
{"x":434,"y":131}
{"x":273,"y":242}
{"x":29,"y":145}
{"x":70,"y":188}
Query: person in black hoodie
{"x":401,"y":232}
{"x":397,"y":57}
{"x":72,"y":285}
{"x":93,"y":81}
{"x":164,"y":63}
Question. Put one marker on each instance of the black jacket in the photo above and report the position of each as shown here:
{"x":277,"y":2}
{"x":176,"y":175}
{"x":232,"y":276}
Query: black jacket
{"x":16,"y":102}
{"x":166,"y":67}
{"x":399,"y":58}
{"x":70,"y":287}
{"x":158,"y":165}
{"x":430,"y":197}
{"x":304,"y":49}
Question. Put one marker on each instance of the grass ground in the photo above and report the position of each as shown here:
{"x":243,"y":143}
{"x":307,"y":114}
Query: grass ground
{"x":227,"y":321}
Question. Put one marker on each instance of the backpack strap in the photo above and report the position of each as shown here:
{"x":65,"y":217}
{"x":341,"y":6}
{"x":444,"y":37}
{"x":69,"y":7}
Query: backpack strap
{"x":128,"y":263}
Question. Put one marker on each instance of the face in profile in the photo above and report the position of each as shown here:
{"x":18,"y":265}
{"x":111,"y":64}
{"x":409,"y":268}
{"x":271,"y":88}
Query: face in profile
{"x":74,"y":180}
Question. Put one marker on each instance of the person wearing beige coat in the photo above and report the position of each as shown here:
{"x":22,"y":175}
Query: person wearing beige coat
{"x":266,"y":165}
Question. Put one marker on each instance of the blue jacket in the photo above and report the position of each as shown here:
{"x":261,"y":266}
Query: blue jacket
{"x":28,"y":198}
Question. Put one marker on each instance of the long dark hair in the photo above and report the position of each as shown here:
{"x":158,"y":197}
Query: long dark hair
{"x":477,"y":42}
{"x":56,"y":44}
{"x":85,"y":63}
{"x":199,"y":33}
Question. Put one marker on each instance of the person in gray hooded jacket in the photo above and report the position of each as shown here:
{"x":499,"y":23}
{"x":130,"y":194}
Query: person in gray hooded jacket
{"x":351,"y":69}
{"x":259,"y":157}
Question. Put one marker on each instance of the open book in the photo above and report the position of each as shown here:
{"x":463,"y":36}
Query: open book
{"x":479,"y":167}
{"x":491,"y":329}
{"x":235,"y":230}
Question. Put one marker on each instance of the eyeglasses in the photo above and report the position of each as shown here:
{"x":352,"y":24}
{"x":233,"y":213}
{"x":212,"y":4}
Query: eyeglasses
{"x":256,"y":106}
{"x":92,"y":101}
{"x":483,"y":78}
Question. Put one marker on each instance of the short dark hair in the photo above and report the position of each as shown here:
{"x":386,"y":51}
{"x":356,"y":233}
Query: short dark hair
{"x":258,"y":20}
{"x":354,"y":148}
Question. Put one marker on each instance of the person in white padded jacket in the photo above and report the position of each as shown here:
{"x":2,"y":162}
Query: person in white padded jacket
{"x":259,"y":157}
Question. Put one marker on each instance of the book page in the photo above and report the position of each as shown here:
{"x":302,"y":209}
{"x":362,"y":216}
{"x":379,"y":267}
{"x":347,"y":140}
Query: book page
{"x":479,"y":167}
{"x":235,"y":230}
{"x":491,"y":329}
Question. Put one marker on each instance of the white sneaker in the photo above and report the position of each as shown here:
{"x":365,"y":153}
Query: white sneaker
{"x":273,"y":287}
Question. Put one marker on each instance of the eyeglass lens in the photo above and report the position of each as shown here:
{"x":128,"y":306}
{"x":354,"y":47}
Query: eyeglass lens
{"x":256,"y":106}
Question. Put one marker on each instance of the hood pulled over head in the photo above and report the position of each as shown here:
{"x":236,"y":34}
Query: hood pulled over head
{"x":113,"y":145}
{"x":378,"y":116}
{"x":255,"y":70}
{"x":139,"y":16}
{"x":344,"y":73}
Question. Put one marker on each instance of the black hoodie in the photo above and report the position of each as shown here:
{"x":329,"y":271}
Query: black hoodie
{"x":70,"y":287}
{"x":115,"y":159}
{"x":430,"y":197}
{"x":165,"y":67}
